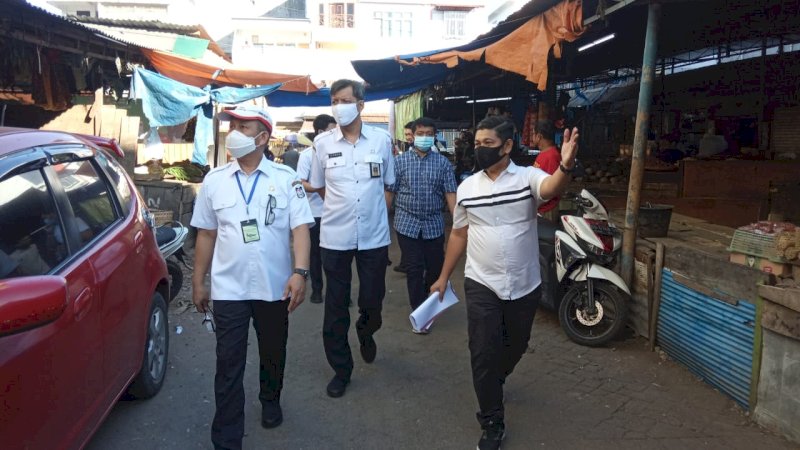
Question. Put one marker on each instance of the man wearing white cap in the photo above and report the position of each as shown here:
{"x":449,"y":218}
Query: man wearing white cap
{"x":244,"y":212}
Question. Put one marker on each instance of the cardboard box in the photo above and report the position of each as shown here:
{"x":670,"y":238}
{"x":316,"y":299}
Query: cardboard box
{"x":762,"y":264}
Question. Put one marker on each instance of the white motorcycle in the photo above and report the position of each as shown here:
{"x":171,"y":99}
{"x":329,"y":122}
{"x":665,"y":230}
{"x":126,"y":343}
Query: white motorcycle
{"x":592,"y":300}
{"x":170,"y":239}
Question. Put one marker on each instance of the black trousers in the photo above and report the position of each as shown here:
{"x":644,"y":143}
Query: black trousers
{"x":371,"y":267}
{"x":316,"y":258}
{"x":423,"y":259}
{"x":499,"y":331}
{"x":271,"y":322}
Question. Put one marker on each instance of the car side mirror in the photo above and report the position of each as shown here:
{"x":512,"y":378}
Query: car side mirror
{"x":31,"y":302}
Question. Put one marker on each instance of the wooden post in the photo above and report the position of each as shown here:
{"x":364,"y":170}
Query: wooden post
{"x":640,"y":141}
{"x":758,"y":339}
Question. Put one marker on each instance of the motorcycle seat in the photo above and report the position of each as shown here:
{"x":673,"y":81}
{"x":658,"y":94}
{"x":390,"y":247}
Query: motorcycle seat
{"x":165,"y":235}
{"x":547,"y":230}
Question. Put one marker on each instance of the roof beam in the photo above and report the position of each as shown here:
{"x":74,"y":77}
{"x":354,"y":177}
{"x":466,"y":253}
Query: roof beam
{"x":18,"y":35}
{"x":621,"y":4}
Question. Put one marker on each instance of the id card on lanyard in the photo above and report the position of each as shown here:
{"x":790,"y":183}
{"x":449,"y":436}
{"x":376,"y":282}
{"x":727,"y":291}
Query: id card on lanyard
{"x":249,"y":226}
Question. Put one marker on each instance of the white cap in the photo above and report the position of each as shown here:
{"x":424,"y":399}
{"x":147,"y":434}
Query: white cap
{"x":249,"y":112}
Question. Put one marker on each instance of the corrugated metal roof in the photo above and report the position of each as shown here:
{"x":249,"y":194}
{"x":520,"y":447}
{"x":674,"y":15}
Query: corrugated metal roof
{"x":32,"y":5}
{"x":153,"y":40}
{"x":155,"y":25}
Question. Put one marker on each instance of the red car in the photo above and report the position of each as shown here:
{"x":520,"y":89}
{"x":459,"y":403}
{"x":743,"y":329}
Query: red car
{"x":83,"y":317}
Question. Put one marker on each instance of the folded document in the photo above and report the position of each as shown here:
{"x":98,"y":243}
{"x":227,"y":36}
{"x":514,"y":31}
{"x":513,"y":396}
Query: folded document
{"x":422,"y":318}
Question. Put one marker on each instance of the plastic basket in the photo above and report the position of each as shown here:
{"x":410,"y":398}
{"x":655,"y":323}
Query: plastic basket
{"x":754,"y":244}
{"x":162,"y":216}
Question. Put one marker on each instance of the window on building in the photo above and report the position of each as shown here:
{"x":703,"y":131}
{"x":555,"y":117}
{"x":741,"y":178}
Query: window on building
{"x":394,"y":24}
{"x":83,"y":13}
{"x":454,"y":24}
{"x":337,"y":15}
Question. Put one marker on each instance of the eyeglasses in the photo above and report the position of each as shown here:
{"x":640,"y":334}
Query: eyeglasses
{"x":208,"y":321}
{"x":270,"y":217}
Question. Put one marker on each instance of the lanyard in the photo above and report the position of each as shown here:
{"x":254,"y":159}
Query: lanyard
{"x":252,"y":190}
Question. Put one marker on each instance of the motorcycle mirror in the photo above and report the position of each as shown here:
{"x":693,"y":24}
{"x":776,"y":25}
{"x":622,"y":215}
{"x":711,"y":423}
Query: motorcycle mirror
{"x":149,"y":218}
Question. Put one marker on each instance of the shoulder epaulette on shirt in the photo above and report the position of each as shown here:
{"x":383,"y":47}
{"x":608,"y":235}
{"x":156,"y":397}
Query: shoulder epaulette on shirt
{"x":217,"y":170}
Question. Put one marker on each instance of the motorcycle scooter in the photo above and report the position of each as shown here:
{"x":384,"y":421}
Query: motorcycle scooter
{"x":170,"y":239}
{"x":575,"y":260}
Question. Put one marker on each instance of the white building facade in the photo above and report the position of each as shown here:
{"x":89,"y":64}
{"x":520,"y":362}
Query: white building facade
{"x":328,"y":35}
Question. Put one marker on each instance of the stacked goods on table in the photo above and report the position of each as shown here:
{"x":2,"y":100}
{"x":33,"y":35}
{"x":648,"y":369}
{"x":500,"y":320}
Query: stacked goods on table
{"x":768,"y":246}
{"x":610,"y":171}
{"x":184,"y":171}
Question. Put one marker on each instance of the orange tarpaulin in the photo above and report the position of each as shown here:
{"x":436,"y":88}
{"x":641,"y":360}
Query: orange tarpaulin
{"x":524,"y":50}
{"x":197,"y":73}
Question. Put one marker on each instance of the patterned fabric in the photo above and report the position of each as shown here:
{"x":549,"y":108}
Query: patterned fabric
{"x":421,"y":183}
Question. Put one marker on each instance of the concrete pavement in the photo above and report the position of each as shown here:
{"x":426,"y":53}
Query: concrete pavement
{"x":418,"y":393}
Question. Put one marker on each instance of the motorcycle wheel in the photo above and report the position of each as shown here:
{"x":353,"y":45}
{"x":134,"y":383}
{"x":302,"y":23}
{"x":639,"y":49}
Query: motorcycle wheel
{"x":599,"y":329}
{"x":175,"y":279}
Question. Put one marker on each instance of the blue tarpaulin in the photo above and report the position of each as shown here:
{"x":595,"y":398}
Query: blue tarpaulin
{"x":167,"y":102}
{"x":323,"y":96}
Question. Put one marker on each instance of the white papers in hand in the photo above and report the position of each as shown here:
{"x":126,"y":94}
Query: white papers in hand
{"x":422,"y":318}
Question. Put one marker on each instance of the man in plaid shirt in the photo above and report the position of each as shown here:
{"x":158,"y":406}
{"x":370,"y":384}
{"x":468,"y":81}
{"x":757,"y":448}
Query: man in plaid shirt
{"x":424,"y":180}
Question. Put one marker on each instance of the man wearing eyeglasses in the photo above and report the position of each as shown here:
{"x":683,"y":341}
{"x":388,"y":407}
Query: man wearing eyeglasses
{"x":244,"y":213}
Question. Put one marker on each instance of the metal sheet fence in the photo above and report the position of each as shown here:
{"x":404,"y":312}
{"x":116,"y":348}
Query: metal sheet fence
{"x":713,"y":338}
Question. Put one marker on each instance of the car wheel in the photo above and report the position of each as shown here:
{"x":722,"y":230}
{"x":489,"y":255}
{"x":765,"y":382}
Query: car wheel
{"x":156,"y":350}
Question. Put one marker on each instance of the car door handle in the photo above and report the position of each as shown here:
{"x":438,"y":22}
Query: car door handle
{"x":83,"y":303}
{"x":137,"y":241}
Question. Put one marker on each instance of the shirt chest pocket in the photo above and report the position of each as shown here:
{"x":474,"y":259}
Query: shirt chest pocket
{"x":224,"y":209}
{"x":371,"y":166}
{"x":275,"y":210}
{"x":335,"y":168}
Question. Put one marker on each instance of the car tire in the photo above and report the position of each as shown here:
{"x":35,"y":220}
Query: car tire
{"x":156,"y":350}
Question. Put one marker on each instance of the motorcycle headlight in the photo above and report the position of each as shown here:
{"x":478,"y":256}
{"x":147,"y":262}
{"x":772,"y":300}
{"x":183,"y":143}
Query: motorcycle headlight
{"x":569,"y":256}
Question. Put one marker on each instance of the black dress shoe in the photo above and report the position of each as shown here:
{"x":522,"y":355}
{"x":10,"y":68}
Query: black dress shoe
{"x":316,"y":297}
{"x":492,"y":437}
{"x":271,"y":414}
{"x":368,"y":348}
{"x":337,"y":387}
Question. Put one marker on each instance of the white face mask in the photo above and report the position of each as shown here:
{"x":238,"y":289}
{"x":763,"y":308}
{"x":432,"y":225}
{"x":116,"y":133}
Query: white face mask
{"x":240,"y":144}
{"x":345,"y":113}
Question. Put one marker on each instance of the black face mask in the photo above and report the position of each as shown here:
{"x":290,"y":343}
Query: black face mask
{"x":488,"y":156}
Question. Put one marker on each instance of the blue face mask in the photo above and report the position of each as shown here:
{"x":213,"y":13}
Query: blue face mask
{"x":423,"y":143}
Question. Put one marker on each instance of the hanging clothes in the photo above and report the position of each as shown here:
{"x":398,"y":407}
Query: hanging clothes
{"x":531,"y":116}
{"x":167,"y":102}
{"x":408,"y":109}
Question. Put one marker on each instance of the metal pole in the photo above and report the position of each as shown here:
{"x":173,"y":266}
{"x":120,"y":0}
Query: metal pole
{"x":640,"y":141}
{"x":474,"y":124}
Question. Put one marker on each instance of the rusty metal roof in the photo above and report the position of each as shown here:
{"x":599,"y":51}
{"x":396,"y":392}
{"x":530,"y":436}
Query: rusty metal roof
{"x":152,"y":25}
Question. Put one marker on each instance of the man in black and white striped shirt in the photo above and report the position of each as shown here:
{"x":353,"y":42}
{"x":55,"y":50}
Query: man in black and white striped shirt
{"x":495,"y":223}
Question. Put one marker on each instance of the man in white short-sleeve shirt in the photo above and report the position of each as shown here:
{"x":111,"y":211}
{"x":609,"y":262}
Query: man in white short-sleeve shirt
{"x":495,"y":223}
{"x":244,"y":213}
{"x":354,"y":165}
{"x":322,"y":123}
